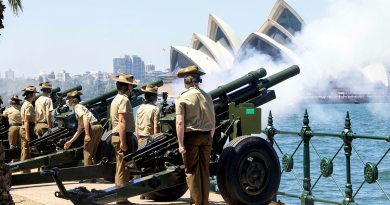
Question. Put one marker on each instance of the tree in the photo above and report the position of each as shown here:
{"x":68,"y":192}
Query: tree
{"x":16,"y":6}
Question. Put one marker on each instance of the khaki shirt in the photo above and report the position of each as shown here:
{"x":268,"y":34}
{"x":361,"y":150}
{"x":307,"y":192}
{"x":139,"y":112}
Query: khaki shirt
{"x":121,"y":105}
{"x":197,"y":108}
{"x":43,"y":105}
{"x":80,"y":111}
{"x":148,"y":115}
{"x":27,"y":109}
{"x":13,"y":114}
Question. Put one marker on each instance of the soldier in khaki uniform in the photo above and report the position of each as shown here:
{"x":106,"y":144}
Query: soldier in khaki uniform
{"x":122,"y":127}
{"x":147,"y":120}
{"x":88,"y":122}
{"x":195,"y":126}
{"x":15,"y":121}
{"x":43,"y":108}
{"x":28,"y":121}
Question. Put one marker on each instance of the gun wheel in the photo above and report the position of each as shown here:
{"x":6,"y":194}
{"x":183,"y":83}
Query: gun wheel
{"x":248,"y":172}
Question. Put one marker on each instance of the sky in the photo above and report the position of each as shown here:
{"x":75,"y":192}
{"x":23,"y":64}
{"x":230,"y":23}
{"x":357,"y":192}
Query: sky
{"x":80,"y":36}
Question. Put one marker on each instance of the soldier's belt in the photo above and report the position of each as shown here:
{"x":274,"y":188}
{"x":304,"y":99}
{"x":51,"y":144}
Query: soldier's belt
{"x":191,"y":133}
{"x":30,"y":123}
{"x":117,"y":134}
{"x":15,"y":124}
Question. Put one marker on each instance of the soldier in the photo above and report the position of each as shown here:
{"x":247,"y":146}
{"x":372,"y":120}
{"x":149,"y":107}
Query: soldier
{"x":122,"y":127}
{"x":147,"y":121}
{"x":195,"y":126}
{"x":15,"y":121}
{"x":43,"y":108}
{"x":87,"y":121}
{"x":28,"y":118}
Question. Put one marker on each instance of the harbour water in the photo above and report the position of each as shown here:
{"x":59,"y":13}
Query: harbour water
{"x":366,"y":119}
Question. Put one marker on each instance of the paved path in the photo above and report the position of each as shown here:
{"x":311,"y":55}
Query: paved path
{"x":43,"y":194}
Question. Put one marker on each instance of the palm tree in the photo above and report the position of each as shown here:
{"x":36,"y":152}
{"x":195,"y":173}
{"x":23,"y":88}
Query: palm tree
{"x":16,"y":6}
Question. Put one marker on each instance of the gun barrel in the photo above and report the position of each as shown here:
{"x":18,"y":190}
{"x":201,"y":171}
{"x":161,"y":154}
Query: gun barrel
{"x":100,"y":98}
{"x":252,"y":76}
{"x":279,"y":77}
{"x":254,"y":90}
{"x":63,"y":93}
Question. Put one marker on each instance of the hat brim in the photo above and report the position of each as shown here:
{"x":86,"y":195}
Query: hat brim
{"x":47,"y":87}
{"x":16,"y":100}
{"x":182,"y":75}
{"x":134,"y":82}
{"x":148,"y":91}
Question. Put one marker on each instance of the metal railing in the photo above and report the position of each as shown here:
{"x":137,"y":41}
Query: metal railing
{"x":326,"y":164}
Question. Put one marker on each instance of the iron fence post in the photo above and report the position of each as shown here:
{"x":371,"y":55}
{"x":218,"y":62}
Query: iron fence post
{"x":270,"y":130}
{"x":306,"y":134}
{"x":347,"y":136}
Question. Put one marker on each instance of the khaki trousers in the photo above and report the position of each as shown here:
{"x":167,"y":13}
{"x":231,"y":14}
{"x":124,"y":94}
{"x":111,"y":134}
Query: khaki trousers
{"x":143,"y":141}
{"x":14,"y":136}
{"x":122,"y":175}
{"x":196,"y":162}
{"x":90,"y":148}
{"x":25,"y":154}
{"x":41,"y":128}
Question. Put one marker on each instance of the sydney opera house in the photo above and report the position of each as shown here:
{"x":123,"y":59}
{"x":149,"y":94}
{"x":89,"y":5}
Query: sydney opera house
{"x":221,"y":48}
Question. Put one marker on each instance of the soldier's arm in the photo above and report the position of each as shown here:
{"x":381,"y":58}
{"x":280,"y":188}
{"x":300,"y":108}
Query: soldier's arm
{"x":74,"y":138}
{"x":48,"y":113}
{"x":136,"y":127}
{"x":157,"y":121}
{"x":27,"y":126}
{"x":86,"y":128}
{"x":180,"y":132}
{"x":122,"y":131}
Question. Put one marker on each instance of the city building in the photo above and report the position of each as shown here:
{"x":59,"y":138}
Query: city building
{"x":138,"y":67}
{"x":122,"y":64}
{"x":9,"y":74}
{"x":129,"y":64}
{"x":62,"y":76}
{"x":150,"y":68}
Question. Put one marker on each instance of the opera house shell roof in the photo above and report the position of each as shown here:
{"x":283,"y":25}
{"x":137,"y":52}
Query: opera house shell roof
{"x":221,"y":47}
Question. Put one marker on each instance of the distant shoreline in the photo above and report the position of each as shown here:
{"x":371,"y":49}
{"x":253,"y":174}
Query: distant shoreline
{"x":358,"y":99}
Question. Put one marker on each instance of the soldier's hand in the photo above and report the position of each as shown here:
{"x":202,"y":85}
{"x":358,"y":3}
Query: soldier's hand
{"x":182,"y":150}
{"x":67,"y":144}
{"x":87,"y":138}
{"x":123,"y":146}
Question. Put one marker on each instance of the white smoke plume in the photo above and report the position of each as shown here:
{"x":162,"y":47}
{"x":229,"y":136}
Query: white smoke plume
{"x":349,"y":44}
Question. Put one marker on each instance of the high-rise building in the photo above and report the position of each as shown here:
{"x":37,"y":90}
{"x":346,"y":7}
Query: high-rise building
{"x":10,"y":74}
{"x":63,"y":76}
{"x":138,"y":68}
{"x":149,"y":68}
{"x":122,"y":64}
{"x":130,"y":64}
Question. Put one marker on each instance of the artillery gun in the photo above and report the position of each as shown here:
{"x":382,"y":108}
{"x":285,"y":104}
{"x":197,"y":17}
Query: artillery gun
{"x":247,"y":169}
{"x":58,"y":99}
{"x":50,"y":146}
{"x":4,"y":122}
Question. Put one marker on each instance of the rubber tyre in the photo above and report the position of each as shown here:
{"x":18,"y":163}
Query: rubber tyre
{"x":170,"y":194}
{"x":248,"y":172}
